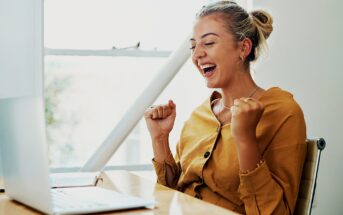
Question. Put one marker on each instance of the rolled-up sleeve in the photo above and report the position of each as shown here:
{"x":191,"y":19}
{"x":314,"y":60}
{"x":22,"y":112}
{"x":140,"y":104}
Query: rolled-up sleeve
{"x":161,"y":173}
{"x":174,"y":167}
{"x":260,"y":194}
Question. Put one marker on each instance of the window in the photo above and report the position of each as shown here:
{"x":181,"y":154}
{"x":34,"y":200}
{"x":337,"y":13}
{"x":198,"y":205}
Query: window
{"x":99,"y":56}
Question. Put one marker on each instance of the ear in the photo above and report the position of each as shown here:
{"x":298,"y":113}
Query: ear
{"x":246,"y":46}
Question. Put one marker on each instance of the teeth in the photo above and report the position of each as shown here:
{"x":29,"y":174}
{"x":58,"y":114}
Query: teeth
{"x":205,"y":66}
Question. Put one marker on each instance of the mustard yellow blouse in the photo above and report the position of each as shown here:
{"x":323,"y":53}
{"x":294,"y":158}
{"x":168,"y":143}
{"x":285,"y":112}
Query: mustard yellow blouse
{"x":206,"y":164}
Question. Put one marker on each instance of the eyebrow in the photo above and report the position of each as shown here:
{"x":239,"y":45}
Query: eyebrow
{"x":205,"y":35}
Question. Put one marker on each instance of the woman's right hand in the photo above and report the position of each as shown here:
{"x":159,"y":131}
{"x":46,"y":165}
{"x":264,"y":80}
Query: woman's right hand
{"x":160,"y":119}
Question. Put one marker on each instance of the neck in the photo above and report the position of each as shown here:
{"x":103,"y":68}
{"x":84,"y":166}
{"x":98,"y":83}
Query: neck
{"x":242,"y":86}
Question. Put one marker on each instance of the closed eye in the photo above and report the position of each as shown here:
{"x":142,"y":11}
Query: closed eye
{"x":206,"y":44}
{"x":209,"y":44}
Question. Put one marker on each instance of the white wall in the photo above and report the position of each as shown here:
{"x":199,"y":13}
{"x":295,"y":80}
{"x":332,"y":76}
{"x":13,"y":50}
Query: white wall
{"x":21,"y":48}
{"x":304,"y":58}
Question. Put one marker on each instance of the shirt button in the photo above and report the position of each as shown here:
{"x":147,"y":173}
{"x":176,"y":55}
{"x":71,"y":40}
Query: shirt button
{"x":207,"y":154}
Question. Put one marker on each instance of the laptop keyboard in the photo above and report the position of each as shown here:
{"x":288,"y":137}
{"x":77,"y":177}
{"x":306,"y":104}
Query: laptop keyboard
{"x":90,"y":199}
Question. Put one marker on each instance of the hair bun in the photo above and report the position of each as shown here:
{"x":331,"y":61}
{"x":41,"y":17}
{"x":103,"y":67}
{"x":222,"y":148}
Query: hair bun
{"x":263,"y":22}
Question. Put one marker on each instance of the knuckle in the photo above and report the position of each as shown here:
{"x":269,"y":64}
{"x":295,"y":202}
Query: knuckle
{"x":147,"y":114}
{"x":261,"y":105}
{"x":255,"y":106}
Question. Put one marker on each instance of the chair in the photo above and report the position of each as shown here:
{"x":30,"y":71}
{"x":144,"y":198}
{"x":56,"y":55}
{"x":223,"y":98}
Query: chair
{"x":309,"y":176}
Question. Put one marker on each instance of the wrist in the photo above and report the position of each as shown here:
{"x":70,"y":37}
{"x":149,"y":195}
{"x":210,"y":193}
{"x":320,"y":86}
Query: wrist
{"x":161,"y":138}
{"x":246,"y":140}
{"x":248,"y":155}
{"x":161,"y":149}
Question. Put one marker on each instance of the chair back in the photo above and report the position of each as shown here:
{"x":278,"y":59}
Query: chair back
{"x":309,"y":176}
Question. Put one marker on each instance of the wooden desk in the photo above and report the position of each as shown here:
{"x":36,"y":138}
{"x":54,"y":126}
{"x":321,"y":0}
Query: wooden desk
{"x":168,"y":201}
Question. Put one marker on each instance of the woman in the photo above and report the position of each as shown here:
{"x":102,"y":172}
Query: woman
{"x":243,"y":148}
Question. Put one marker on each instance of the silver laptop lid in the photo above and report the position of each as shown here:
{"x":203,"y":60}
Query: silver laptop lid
{"x":23,"y":148}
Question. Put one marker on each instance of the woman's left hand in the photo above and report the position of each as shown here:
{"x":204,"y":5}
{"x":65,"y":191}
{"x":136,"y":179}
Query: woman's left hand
{"x":245,"y":115}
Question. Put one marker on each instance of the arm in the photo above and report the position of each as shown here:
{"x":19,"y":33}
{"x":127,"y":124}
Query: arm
{"x":166,"y":169}
{"x":160,"y":121}
{"x":270,"y":187}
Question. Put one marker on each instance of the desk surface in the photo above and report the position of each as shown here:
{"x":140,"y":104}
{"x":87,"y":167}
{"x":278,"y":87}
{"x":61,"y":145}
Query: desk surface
{"x":168,"y":201}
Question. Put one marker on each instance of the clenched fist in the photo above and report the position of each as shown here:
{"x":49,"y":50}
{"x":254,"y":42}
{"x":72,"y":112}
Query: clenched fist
{"x":160,"y":119}
{"x":245,"y":115}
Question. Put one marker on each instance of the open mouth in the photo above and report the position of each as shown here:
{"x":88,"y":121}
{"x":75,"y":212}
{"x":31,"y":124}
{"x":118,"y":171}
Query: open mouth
{"x":208,"y":69}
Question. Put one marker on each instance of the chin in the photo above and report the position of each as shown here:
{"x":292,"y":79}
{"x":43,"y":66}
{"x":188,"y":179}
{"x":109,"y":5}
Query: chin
{"x":211,"y":85}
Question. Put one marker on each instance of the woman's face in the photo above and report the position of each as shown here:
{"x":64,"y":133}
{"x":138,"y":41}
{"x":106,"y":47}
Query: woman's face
{"x":214,"y":52}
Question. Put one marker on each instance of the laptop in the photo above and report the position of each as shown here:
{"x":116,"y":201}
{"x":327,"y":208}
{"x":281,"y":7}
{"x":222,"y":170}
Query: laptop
{"x":26,"y":171}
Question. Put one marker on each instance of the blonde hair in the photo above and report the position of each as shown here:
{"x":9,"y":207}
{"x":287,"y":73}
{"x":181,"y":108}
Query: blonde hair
{"x":256,"y":25}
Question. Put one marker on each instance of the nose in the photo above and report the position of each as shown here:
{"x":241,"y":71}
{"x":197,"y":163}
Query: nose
{"x":198,"y":53}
